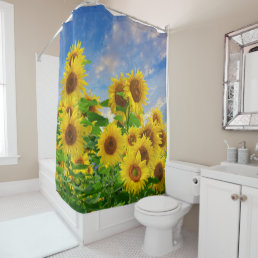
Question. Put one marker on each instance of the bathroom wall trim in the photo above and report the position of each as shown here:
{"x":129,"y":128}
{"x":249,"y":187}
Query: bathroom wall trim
{"x":17,"y":187}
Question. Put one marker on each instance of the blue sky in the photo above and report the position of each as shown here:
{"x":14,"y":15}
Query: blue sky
{"x":116,"y":44}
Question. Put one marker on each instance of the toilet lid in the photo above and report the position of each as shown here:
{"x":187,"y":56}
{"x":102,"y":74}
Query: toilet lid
{"x":157,"y":204}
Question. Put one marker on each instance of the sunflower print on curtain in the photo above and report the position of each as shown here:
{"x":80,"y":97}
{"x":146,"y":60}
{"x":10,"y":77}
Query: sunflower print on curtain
{"x":111,"y":121}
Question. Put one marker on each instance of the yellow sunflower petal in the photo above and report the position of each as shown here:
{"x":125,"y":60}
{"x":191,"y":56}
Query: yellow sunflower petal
{"x":151,"y":131}
{"x":94,"y":108}
{"x":156,"y":116}
{"x":115,"y":100}
{"x":132,"y":136}
{"x":75,"y":52}
{"x":158,"y":171}
{"x":71,"y":135}
{"x":144,"y":148}
{"x":111,"y":144}
{"x":73,"y":81}
{"x":134,"y":173}
{"x":136,"y":91}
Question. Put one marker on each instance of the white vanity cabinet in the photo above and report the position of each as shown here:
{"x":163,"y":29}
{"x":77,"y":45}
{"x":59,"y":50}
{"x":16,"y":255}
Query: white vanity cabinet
{"x":228,"y":220}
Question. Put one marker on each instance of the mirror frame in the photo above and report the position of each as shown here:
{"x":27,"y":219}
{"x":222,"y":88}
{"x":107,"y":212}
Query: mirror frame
{"x":234,"y":117}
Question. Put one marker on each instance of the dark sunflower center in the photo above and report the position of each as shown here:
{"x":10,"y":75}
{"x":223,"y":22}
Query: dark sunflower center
{"x":73,"y":56}
{"x":71,"y":83}
{"x":149,"y":134}
{"x":135,"y":90}
{"x":120,"y":101}
{"x":159,"y":171}
{"x":69,"y":110}
{"x":163,"y":138}
{"x":70,"y":135}
{"x":132,"y":139}
{"x":155,"y":118}
{"x":144,"y":154}
{"x":92,"y":108}
{"x":135,"y":173}
{"x":110,"y":145}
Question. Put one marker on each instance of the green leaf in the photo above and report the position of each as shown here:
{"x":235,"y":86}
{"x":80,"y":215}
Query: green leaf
{"x":123,"y":196}
{"x":123,"y":109}
{"x":101,"y":121}
{"x":93,"y":200}
{"x":153,"y":180}
{"x":86,"y":122}
{"x":118,"y":118}
{"x":96,"y":130}
{"x":85,"y":104}
{"x":133,"y":121}
{"x":79,"y":166}
{"x":89,"y":189}
{"x":86,"y":62}
{"x":104,"y":171}
{"x":104,"y":103}
{"x":59,"y":170}
{"x":122,"y":94}
{"x":90,"y":142}
{"x":60,"y":156}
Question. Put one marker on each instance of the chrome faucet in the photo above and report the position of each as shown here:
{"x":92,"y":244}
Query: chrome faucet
{"x":253,"y":156}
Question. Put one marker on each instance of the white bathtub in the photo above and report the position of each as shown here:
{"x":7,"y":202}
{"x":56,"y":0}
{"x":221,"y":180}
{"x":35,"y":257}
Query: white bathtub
{"x":88,"y":227}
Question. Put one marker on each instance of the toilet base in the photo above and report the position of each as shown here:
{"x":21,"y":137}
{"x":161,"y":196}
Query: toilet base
{"x":158,"y":242}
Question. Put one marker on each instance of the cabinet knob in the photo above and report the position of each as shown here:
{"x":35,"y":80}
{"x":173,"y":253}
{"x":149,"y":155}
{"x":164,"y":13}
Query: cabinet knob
{"x":243,"y":198}
{"x":234,"y":197}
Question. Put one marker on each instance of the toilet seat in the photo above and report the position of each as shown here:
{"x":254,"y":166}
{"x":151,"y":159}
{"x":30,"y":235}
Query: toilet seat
{"x":158,"y":205}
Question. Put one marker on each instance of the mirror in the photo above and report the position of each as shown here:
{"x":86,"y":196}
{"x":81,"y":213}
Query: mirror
{"x":241,"y":79}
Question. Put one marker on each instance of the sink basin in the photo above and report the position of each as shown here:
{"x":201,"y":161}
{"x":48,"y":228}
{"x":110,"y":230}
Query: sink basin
{"x":233,"y":173}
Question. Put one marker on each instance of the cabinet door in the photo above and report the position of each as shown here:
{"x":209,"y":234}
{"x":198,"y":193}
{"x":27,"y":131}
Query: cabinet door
{"x":248,"y":244}
{"x":219,"y":219}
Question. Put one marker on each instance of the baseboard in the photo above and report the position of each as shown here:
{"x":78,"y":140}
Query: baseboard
{"x":17,"y":187}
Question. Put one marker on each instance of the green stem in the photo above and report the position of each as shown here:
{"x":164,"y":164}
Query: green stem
{"x":127,"y":119}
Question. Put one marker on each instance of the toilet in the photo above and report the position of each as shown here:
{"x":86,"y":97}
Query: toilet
{"x":163,"y":215}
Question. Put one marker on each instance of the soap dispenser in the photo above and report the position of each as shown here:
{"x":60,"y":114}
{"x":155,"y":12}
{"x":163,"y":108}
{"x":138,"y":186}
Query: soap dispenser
{"x":243,"y":155}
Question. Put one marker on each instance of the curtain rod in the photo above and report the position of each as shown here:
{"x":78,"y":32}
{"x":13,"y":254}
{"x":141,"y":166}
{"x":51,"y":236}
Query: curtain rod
{"x":85,"y":3}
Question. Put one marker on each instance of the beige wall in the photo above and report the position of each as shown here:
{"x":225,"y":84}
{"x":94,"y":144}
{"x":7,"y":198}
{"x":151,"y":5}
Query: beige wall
{"x":196,"y":59}
{"x":36,"y":21}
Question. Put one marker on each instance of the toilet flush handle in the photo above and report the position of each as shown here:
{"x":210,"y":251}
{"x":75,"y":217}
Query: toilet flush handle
{"x":196,"y":185}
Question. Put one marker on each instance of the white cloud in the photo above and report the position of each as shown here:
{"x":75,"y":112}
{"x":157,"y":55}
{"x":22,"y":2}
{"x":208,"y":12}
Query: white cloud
{"x":161,"y":102}
{"x":148,"y":70}
{"x":106,"y":112}
{"x":108,"y":63}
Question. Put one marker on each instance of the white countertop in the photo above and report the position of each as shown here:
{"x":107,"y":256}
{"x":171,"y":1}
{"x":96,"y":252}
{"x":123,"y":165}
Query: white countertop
{"x":233,"y":173}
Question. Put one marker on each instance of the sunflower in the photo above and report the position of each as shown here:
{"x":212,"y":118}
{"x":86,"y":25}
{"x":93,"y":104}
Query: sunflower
{"x":82,"y":159}
{"x":60,"y":108}
{"x":111,"y":144}
{"x":75,"y":52}
{"x":136,"y":91}
{"x":94,"y":108}
{"x":134,"y":173}
{"x":151,"y":131}
{"x":158,"y":171}
{"x":140,"y":119}
{"x":73,"y":81}
{"x":86,"y":171}
{"x":115,"y":100}
{"x":71,"y":135}
{"x":163,"y":137}
{"x":69,"y":107}
{"x":143,"y":145}
{"x":132,"y":136}
{"x":156,"y":116}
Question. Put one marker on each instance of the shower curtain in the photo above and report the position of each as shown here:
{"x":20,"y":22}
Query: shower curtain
{"x":111,"y":121}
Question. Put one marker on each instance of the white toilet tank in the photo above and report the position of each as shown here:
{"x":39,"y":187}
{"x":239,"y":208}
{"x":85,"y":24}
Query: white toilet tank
{"x":182,"y":181}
